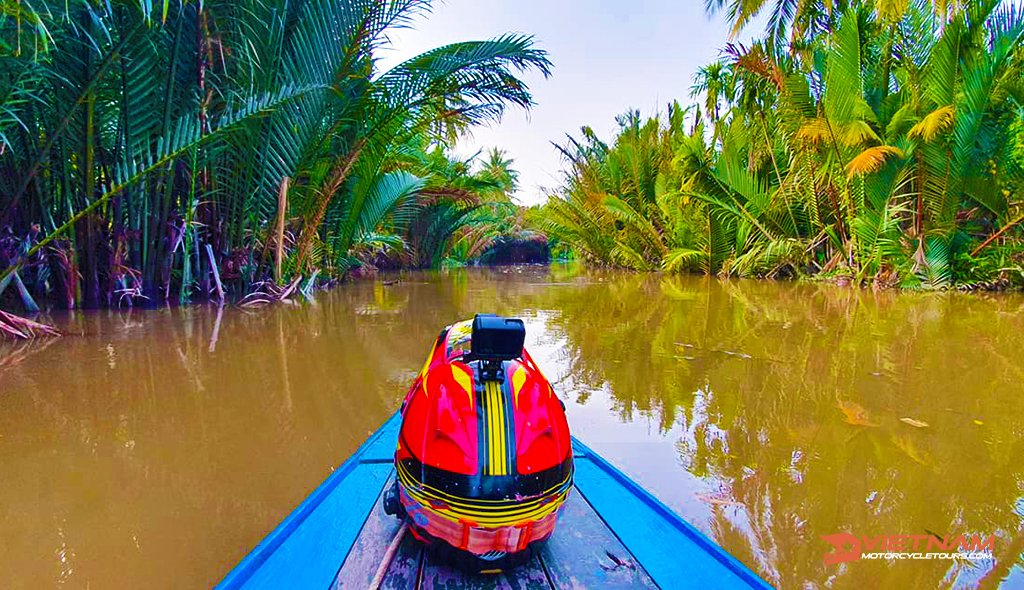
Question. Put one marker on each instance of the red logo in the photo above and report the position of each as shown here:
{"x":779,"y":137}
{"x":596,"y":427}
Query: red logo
{"x":847,"y":548}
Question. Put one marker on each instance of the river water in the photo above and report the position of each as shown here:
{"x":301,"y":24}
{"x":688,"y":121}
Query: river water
{"x":154,"y":448}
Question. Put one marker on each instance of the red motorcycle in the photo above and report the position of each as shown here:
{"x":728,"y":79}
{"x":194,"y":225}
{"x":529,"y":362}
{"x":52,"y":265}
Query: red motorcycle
{"x":484,"y":459}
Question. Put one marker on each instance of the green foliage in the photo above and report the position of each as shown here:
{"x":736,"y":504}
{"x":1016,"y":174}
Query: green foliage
{"x":137,"y":134}
{"x":881,"y":143}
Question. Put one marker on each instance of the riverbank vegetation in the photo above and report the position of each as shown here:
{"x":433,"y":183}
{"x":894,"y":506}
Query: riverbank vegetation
{"x":156,"y":152}
{"x":875,"y":142}
{"x":769,"y":390}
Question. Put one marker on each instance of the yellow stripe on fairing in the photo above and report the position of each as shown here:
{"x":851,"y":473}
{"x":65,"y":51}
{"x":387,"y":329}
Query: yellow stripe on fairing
{"x":518,"y":380}
{"x":464,"y":380}
{"x":489,"y":416}
{"x":491,"y":443}
{"x":425,"y":370}
{"x":410,"y":481}
{"x":496,"y":410}
{"x":496,"y":431}
{"x":495,"y":521}
{"x":502,"y":450}
{"x":480,"y":506}
{"x":512,"y":516}
{"x":499,"y":434}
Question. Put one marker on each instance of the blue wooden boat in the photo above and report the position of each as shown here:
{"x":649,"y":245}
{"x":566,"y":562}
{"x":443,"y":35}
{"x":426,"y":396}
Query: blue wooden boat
{"x":611,"y":534}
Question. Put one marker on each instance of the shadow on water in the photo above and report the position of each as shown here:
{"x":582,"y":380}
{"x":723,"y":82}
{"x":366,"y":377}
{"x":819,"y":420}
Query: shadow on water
{"x":154,"y":448}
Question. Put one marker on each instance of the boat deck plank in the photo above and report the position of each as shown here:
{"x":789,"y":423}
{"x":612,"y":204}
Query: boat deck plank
{"x":529,"y":576}
{"x":411,"y":569}
{"x":584,"y":553}
{"x":404,"y":570}
{"x":339,"y":537}
{"x":371,"y":547}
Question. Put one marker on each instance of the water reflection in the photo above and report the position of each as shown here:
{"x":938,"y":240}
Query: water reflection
{"x":807,"y":410}
{"x":154,"y":448}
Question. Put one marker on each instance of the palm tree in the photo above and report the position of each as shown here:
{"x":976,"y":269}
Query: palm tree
{"x":156,"y":143}
{"x":717,"y":85}
{"x":799,"y":22}
{"x":889,"y":157}
{"x":794,"y":21}
{"x":499,"y":168}
{"x":618,"y":205}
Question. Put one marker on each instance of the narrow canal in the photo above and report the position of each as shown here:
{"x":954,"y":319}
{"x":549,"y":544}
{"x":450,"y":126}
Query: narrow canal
{"x":153,"y":449}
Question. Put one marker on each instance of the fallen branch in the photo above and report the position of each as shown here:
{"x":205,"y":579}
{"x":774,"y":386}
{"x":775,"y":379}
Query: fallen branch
{"x":307,"y":290}
{"x":289,"y":289}
{"x":216,"y":273}
{"x":996,"y":235}
{"x":26,"y":298}
{"x":23,"y":329}
{"x":269,"y":292}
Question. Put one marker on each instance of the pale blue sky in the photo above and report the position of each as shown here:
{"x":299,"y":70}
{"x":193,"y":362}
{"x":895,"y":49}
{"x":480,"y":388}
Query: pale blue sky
{"x":608,"y":55}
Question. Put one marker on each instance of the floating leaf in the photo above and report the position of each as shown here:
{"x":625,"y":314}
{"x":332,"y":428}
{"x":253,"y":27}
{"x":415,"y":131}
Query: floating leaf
{"x":914,"y":423}
{"x":905,"y":444}
{"x":855,"y":413}
{"x":978,"y":422}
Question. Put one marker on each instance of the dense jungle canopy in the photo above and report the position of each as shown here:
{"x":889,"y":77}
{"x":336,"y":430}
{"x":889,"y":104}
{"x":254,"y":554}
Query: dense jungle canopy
{"x":159,"y":152}
{"x":875,"y":142}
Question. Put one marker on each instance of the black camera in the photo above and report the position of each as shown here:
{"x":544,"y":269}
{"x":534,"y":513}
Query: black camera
{"x":496,"y":338}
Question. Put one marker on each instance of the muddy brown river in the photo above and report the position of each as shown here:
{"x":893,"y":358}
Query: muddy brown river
{"x":154,"y":448}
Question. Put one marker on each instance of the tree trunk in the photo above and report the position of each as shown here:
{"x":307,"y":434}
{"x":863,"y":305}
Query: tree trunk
{"x":312,"y":225}
{"x":282,"y":209}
